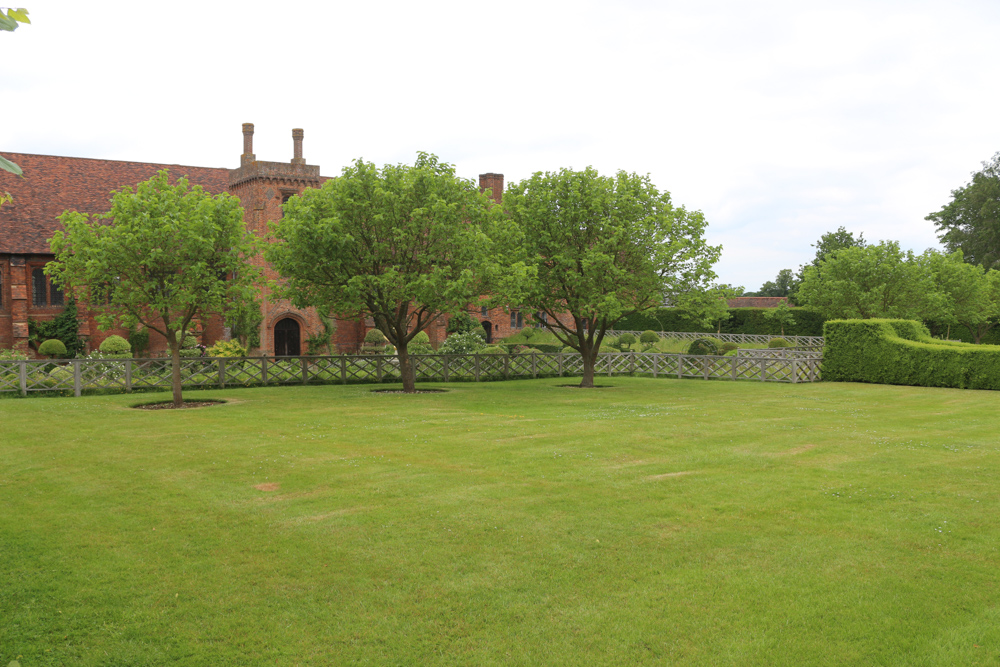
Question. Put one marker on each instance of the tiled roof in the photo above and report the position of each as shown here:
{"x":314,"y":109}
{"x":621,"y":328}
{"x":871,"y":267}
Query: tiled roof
{"x":54,"y":184}
{"x":756,"y":301}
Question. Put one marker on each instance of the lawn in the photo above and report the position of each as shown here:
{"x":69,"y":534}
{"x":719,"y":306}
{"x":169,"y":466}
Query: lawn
{"x":508,"y":523}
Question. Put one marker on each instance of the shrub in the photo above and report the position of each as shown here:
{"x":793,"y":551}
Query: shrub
{"x":779,"y":342}
{"x":902,"y":352}
{"x":227,"y":348}
{"x":115,"y":345}
{"x":528,"y":333}
{"x":469,"y":342}
{"x":138,"y":339}
{"x":462,"y":323}
{"x":568,"y":349}
{"x":609,"y":342}
{"x":12,"y":355}
{"x":65,"y":327}
{"x":493,"y":349}
{"x":375,"y":337}
{"x":61,"y":375}
{"x":52,"y":348}
{"x":728,"y":347}
{"x":703,"y":346}
{"x":626,"y":339}
{"x":649,"y":337}
{"x":421,"y":339}
{"x":419,"y":348}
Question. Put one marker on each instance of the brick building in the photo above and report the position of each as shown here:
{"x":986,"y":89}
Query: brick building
{"x":54,"y":184}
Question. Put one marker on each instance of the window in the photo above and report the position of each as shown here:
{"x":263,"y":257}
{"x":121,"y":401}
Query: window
{"x":516,"y":319}
{"x":484,"y":312}
{"x":43,"y":292}
{"x":540,"y":319}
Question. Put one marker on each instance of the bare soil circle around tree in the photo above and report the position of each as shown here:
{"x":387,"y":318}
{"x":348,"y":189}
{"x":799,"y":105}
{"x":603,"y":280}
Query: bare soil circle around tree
{"x":169,"y":405}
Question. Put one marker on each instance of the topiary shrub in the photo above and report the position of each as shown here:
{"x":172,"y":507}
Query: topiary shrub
{"x":61,"y":375}
{"x":626,"y":340}
{"x":53,"y":347}
{"x":421,"y":339}
{"x":728,"y":347}
{"x":527,"y":333}
{"x":649,"y":337}
{"x":703,"y":346}
{"x":226,"y":348}
{"x":779,"y":342}
{"x":375,"y":337}
{"x":115,"y":345}
{"x":609,"y":342}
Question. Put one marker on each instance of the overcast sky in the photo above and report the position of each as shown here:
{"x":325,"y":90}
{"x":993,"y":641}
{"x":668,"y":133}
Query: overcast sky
{"x":779,"y":120}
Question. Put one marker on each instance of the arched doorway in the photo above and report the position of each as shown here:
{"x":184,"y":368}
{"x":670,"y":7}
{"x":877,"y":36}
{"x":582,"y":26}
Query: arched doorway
{"x":286,"y":338}
{"x":488,"y":328}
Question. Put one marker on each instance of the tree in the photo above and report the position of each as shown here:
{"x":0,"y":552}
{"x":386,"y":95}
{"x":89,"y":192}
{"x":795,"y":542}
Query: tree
{"x":969,"y":295}
{"x":162,"y":256}
{"x":401,"y":244}
{"x":866,"y":282}
{"x":783,"y":285}
{"x":9,"y":22}
{"x":971,"y":221}
{"x":780,"y":315}
{"x":709,"y":307}
{"x":597,"y":248}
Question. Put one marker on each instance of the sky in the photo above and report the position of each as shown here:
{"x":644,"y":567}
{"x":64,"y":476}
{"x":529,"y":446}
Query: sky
{"x":780,"y":121}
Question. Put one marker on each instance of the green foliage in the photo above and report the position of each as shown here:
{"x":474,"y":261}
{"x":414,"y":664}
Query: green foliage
{"x":599,"y":248}
{"x":115,"y":345}
{"x":967,"y":295}
{"x":742,"y":320}
{"x":874,"y":281}
{"x":728,"y":347}
{"x":527,"y":333}
{"x":469,"y":342}
{"x":969,"y":223}
{"x":421,"y":337}
{"x":376,"y":241}
{"x":64,"y":326}
{"x":12,"y":355}
{"x":9,"y":21}
{"x":781,"y":315}
{"x":52,"y":348}
{"x":420,"y":348}
{"x":493,"y":349}
{"x":164,"y":255}
{"x":375,"y":337}
{"x":784,"y":284}
{"x":778,"y":342}
{"x":138,"y":340}
{"x":226,"y":348}
{"x":902,"y":352}
{"x":649,"y":337}
{"x":462,"y":322}
{"x":245,"y":316}
{"x":626,"y":340}
{"x":703,"y":346}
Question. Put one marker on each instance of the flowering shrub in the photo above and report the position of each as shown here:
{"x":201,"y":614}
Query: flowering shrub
{"x":470,"y":342}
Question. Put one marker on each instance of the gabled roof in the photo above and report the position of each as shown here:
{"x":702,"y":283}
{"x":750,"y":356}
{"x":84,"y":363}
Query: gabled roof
{"x":54,"y":184}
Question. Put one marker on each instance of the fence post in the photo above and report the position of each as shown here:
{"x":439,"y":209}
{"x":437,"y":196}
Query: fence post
{"x":607,"y":358}
{"x":631,"y":363}
{"x":475,"y":365}
{"x":734,"y":360}
{"x":343,"y":369}
{"x":656,"y":360}
{"x":445,"y":368}
{"x":506,"y":366}
{"x":560,"y":364}
{"x":534,"y":367}
{"x":23,"y":376}
{"x":680,"y":366}
{"x":305,"y":370}
{"x":795,"y":371}
{"x":222,"y":372}
{"x":763,"y":370}
{"x":705,"y":366}
{"x":263,"y":370}
{"x":378,"y":368}
{"x":128,"y":376}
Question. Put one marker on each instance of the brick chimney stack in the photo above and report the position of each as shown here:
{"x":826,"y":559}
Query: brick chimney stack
{"x":493,"y":183}
{"x":297,"y":146}
{"x":248,"y":155}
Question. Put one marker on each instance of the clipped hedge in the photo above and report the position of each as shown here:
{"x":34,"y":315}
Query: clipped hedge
{"x":902,"y":352}
{"x":742,"y":320}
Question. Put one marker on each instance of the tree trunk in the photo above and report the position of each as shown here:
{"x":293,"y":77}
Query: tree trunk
{"x":589,"y":359}
{"x":406,"y":370}
{"x":175,"y":372}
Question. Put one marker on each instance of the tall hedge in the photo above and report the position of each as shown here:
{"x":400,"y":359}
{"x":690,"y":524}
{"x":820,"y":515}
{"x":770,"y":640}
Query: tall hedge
{"x":902,"y":352}
{"x":742,"y":320}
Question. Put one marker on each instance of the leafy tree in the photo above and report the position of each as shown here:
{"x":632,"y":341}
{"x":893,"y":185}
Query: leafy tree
{"x":401,"y":244}
{"x":597,"y":248}
{"x":709,"y":307}
{"x":162,"y":256}
{"x":866,"y":282}
{"x":780,"y":315}
{"x":971,"y":221}
{"x":783,"y":285}
{"x":832,"y":242}
{"x":9,"y":22}
{"x":969,"y":294}
{"x":244,"y":317}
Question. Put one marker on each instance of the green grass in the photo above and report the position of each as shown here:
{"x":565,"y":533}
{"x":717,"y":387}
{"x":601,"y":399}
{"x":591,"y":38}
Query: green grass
{"x":508,"y":523}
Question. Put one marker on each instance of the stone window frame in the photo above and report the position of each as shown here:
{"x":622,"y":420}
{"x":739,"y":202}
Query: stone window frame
{"x":516,"y":319}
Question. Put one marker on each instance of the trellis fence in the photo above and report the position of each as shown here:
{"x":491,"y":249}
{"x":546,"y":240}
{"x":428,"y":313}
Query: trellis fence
{"x":127,"y":375}
{"x":799,"y":341}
